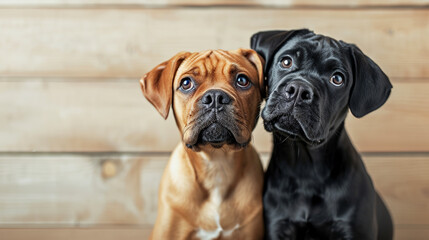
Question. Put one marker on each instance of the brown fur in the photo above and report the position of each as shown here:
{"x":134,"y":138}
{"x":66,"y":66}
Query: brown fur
{"x":202,"y":184}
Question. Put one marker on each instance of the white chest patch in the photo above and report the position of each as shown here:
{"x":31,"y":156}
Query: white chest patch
{"x":218,"y":163}
{"x":219,"y":231}
{"x":216,"y":199}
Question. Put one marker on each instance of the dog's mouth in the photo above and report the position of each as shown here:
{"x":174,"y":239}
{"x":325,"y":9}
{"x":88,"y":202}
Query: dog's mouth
{"x":291,"y":129}
{"x":216,"y":131}
{"x":216,"y":135}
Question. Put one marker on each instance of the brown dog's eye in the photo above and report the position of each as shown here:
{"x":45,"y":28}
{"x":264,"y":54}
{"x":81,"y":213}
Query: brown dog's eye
{"x":287,"y":62}
{"x":243,"y":81}
{"x":186,"y":84}
{"x":337,"y":79}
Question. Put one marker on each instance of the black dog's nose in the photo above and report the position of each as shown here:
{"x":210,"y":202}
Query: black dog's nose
{"x":300,"y":92}
{"x":215,"y":99}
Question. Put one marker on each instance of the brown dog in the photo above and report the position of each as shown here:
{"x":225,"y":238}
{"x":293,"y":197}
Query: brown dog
{"x":212,"y":185}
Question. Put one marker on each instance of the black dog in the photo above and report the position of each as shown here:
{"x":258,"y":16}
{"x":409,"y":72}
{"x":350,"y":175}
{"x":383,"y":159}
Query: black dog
{"x":316,"y":185}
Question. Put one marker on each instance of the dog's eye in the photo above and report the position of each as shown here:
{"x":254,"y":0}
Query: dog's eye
{"x":287,"y":62}
{"x":242,"y":81}
{"x":186,"y":84}
{"x":337,"y":79}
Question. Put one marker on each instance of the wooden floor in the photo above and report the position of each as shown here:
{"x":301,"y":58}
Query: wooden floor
{"x":82,"y":152}
{"x":114,"y":233}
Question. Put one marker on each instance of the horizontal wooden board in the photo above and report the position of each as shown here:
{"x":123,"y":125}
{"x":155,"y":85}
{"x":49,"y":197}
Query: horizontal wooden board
{"x":265,"y":3}
{"x":403,"y":184}
{"x":79,"y":190}
{"x":43,"y":116}
{"x":411,"y":233}
{"x":113,"y":233}
{"x":141,"y":233}
{"x":129,"y":42}
{"x":82,"y":190}
{"x":400,"y":125}
{"x":81,"y":116}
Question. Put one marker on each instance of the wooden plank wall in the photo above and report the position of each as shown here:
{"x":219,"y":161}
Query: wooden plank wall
{"x":81,"y":150}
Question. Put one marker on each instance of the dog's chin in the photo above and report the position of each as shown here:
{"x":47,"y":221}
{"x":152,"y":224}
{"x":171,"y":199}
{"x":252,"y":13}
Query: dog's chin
{"x":216,"y":136}
{"x":291,"y":130}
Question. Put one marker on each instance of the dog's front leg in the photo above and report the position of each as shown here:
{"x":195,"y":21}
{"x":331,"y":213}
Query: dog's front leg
{"x":344,"y":231}
{"x":281,"y":230}
{"x":171,"y":225}
{"x":253,"y":230}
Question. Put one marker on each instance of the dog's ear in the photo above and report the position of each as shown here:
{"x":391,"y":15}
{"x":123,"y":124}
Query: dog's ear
{"x":266,"y":43}
{"x":258,"y":62}
{"x":157,"y":85}
{"x":371,"y":87}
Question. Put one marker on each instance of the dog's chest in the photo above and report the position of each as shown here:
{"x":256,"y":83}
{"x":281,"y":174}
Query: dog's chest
{"x":213,"y":209}
{"x":220,"y":175}
{"x":316,"y":214}
{"x":309,"y":202}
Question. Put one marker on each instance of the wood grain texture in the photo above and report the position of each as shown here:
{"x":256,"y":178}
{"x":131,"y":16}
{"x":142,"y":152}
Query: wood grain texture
{"x":74,"y":191}
{"x":81,"y":116}
{"x":142,"y":233}
{"x":55,"y":115}
{"x":265,"y":3}
{"x":69,"y":73}
{"x":113,"y":233}
{"x":129,"y":42}
{"x":421,"y":233}
{"x":403,"y":120}
{"x":403,"y":183}
{"x":66,"y":191}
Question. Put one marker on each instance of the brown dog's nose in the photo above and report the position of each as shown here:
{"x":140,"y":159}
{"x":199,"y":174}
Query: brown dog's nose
{"x":301,"y":92}
{"x":215,"y":99}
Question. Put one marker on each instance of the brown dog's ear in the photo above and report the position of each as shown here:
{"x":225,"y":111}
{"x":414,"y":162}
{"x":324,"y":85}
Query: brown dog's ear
{"x":258,"y":62}
{"x":157,"y":85}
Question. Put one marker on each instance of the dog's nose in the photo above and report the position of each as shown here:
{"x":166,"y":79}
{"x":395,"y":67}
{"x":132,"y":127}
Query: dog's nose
{"x":215,"y":99}
{"x":301,"y":92}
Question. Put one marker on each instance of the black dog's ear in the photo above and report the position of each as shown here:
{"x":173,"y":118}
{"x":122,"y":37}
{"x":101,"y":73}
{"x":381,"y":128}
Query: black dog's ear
{"x":371,"y":87}
{"x":266,"y":43}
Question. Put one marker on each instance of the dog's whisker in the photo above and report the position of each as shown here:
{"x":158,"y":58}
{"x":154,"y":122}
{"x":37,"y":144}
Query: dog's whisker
{"x":285,"y":139}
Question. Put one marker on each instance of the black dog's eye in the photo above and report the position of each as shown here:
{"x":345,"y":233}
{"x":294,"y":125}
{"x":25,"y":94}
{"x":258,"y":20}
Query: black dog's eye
{"x":287,"y":62}
{"x":186,"y":84}
{"x":242,"y":81}
{"x":337,"y":79}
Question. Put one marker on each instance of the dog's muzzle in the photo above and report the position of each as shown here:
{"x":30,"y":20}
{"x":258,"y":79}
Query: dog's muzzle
{"x":217,"y":124}
{"x":215,"y":100}
{"x":293,"y":111}
{"x":299,"y":92}
{"x":216,"y":135}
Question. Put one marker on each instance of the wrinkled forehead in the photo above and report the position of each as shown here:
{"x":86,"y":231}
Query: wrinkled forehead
{"x":315,"y":48}
{"x":208,"y":63}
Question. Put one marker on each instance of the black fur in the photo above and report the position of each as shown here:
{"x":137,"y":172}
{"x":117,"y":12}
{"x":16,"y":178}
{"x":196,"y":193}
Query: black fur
{"x":316,"y":185}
